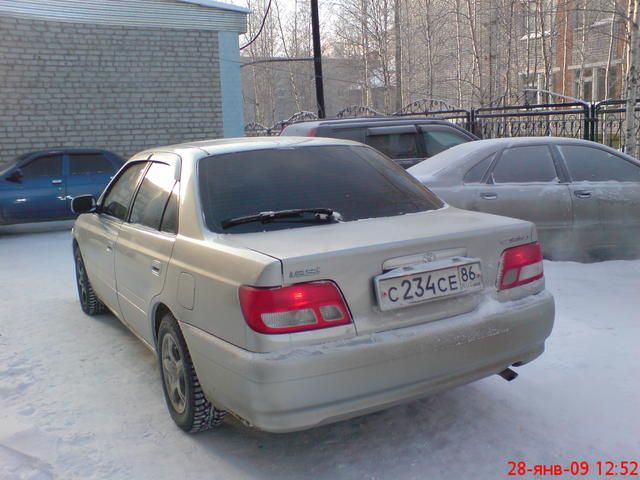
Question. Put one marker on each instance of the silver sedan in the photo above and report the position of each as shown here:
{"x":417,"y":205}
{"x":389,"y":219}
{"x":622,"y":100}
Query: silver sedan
{"x":583,"y":197}
{"x":293,"y":281}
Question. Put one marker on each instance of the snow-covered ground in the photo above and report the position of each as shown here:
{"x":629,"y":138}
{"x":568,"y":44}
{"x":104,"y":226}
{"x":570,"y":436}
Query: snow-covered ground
{"x":81,"y":397}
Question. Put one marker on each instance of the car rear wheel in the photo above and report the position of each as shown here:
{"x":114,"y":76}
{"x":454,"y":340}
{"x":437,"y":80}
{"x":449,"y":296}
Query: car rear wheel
{"x":89,"y":301}
{"x":186,"y":401}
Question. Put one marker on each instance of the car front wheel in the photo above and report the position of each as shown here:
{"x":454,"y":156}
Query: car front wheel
{"x":186,"y":402}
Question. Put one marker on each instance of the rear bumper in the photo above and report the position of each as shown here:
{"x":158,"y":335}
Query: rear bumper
{"x":314,"y":385}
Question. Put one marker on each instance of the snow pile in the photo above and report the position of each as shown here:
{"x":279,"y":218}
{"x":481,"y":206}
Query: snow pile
{"x":81,"y":397}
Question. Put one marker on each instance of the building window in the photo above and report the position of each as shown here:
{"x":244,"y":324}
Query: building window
{"x":589,"y":84}
{"x":531,"y":85}
{"x":583,"y":84}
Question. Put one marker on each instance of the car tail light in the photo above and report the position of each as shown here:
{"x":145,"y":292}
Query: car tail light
{"x":313,"y":132}
{"x":520,"y":265}
{"x":295,"y":308}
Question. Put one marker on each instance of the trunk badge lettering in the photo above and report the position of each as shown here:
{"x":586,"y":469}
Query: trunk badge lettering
{"x":519,"y":238}
{"x":308,"y":272}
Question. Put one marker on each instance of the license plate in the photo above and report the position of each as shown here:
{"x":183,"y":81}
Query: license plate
{"x":424,"y":282}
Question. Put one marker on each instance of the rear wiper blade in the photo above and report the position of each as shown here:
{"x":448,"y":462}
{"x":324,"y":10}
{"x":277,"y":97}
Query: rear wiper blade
{"x":321,"y":215}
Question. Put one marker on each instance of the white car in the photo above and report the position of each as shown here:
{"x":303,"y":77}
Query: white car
{"x":295,"y":282}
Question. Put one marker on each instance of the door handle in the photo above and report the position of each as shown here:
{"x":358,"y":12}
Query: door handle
{"x":582,"y":193}
{"x":109,"y":247}
{"x":156,"y":267}
{"x":489,"y":195}
{"x":56,"y":182}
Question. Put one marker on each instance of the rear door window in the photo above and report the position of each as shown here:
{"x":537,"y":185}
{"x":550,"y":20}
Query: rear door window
{"x":437,"y":141}
{"x":532,"y":164}
{"x":116,"y":201}
{"x":396,"y":145}
{"x":355,"y":181}
{"x":587,"y":164}
{"x":45,"y":166}
{"x":152,"y":196}
{"x":89,"y":163}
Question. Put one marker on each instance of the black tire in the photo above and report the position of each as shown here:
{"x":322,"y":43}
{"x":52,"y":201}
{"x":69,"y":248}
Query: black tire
{"x":191,"y":411}
{"x":89,"y":301}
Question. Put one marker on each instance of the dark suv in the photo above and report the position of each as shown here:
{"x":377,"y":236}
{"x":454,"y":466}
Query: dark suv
{"x":406,"y":140}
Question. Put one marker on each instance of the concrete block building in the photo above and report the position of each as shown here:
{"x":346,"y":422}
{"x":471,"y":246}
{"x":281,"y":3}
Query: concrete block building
{"x":118,"y":75}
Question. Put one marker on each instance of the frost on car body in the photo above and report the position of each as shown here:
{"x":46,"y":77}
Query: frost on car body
{"x":582,"y":196}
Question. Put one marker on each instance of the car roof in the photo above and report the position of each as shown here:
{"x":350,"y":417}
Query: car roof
{"x":27,"y":157}
{"x":242,"y":144}
{"x":522,"y":141}
{"x":493,"y":144}
{"x":400,"y":120}
{"x":68,"y":150}
{"x":501,"y":143}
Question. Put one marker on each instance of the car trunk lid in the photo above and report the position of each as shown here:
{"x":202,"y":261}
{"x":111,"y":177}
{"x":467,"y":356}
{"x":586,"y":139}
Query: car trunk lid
{"x":353,"y":254}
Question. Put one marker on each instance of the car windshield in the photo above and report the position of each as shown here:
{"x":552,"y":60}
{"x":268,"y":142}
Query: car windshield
{"x":355,"y":181}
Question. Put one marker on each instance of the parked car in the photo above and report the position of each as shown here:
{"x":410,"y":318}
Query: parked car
{"x":406,"y":141}
{"x":295,"y":282}
{"x":583,"y":197}
{"x":38,"y":186}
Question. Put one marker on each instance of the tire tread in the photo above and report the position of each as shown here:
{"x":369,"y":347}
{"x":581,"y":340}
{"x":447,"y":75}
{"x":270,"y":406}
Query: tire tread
{"x":94,"y":306}
{"x":205,"y":416}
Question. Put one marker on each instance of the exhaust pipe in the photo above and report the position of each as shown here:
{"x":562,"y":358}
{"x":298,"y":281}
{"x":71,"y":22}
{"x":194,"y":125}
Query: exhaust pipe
{"x":508,"y":374}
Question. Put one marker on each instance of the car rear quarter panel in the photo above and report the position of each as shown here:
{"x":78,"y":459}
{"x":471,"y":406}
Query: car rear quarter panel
{"x":202,"y":285}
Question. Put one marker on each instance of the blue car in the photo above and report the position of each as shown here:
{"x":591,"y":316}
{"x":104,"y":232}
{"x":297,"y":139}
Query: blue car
{"x":39,"y":186}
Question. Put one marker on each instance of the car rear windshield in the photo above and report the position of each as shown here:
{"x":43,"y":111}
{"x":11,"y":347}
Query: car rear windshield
{"x":355,"y":181}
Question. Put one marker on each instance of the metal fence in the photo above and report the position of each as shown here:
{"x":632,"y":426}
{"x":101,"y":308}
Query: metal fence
{"x":602,"y":122}
{"x":609,"y":118}
{"x":556,"y":119}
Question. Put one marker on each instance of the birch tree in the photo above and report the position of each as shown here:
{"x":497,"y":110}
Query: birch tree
{"x":633,"y":16}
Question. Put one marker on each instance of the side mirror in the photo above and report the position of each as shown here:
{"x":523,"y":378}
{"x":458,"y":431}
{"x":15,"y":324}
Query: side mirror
{"x":83,"y":204}
{"x":16,"y":176}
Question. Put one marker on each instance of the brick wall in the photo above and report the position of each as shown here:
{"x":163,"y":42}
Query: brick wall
{"x":120,"y":88}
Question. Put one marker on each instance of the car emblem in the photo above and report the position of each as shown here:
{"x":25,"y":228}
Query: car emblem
{"x":429,"y":257}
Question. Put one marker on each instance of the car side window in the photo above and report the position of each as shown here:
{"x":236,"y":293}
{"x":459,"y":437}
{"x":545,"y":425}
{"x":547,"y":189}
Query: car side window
{"x":587,"y":164}
{"x":532,"y":164}
{"x":437,"y":141}
{"x":152,"y":196}
{"x":45,"y":166}
{"x":476,"y":173}
{"x":395,"y":145}
{"x":170,"y":216}
{"x":116,"y":201}
{"x":88,"y":163}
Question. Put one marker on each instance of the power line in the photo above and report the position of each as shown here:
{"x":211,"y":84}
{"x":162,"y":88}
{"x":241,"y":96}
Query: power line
{"x":277,"y":59}
{"x":264,"y":20}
